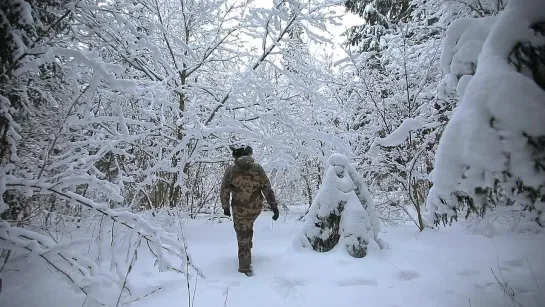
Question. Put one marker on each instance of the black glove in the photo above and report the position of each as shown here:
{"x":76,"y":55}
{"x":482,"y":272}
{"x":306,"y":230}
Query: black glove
{"x":276,"y":214}
{"x":227,"y":212}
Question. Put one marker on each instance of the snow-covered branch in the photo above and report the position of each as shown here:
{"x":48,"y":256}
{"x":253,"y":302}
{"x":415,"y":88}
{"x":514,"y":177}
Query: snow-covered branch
{"x":161,"y":240}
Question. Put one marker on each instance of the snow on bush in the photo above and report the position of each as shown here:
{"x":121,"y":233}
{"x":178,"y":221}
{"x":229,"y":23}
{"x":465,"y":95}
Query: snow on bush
{"x":399,"y":136}
{"x":342,"y":211}
{"x":100,"y":274}
{"x":367,"y":202}
{"x":492,"y":150}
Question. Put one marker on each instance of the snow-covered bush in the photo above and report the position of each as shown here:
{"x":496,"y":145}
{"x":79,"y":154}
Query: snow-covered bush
{"x":95,"y":262}
{"x":492,"y":151}
{"x":342,"y":211}
{"x":366,"y":201}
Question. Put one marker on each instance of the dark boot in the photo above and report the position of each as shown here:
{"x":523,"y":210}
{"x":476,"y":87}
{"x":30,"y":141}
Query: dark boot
{"x":249,"y":273}
{"x":245,"y":265}
{"x":246,"y":271}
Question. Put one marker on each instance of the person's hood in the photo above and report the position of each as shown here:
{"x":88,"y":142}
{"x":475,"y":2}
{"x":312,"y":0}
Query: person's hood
{"x":244,"y":161}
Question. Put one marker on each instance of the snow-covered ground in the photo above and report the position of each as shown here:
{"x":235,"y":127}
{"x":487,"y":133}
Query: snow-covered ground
{"x":449,"y":267}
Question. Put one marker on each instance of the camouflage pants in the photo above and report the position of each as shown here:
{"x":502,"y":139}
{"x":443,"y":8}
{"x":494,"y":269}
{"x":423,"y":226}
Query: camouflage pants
{"x":244,"y":228}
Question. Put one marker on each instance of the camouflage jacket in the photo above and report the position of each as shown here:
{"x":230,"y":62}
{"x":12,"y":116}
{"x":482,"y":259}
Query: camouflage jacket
{"x":247,"y":182}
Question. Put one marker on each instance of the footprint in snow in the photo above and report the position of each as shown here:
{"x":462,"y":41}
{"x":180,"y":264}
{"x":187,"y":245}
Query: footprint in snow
{"x":147,"y":274}
{"x":229,"y":283}
{"x":515,"y":263}
{"x":407,"y":275}
{"x":357,"y":282}
{"x":468,"y":273}
{"x":288,"y":288}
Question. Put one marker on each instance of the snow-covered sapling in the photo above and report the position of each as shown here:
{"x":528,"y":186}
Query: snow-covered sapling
{"x":337,"y":214}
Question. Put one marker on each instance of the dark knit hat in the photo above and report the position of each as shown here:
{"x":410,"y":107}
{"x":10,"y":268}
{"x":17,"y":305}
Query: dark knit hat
{"x":241,"y":150}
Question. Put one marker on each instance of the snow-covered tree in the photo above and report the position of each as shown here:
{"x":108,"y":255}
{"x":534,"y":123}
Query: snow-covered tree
{"x":398,"y":116}
{"x":342,"y":212}
{"x":380,"y":18}
{"x":491,"y":153}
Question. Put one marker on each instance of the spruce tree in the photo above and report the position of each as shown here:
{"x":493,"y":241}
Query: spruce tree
{"x":342,"y":212}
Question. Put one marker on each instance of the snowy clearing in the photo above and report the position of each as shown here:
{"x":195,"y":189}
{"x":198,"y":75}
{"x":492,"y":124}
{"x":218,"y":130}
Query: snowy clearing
{"x":449,"y":267}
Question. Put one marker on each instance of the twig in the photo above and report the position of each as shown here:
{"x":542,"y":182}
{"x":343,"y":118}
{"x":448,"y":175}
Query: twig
{"x":5,"y":261}
{"x":408,"y":214}
{"x":184,"y":240}
{"x":129,"y":269}
{"x":137,"y":299}
{"x":533,"y":275}
{"x":226,"y":293}
{"x":505,"y":287}
{"x":195,"y":290}
{"x":401,"y":271}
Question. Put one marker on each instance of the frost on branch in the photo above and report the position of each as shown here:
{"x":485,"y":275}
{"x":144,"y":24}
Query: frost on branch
{"x":342,"y":211}
{"x":491,"y":152}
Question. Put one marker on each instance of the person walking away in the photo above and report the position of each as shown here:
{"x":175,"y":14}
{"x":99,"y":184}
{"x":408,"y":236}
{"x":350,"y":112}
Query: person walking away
{"x":247,"y":183}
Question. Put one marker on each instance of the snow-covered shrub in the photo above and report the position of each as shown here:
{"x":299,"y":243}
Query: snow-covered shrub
{"x":492,"y":151}
{"x":342,"y":211}
{"x":356,"y":229}
{"x":98,"y":261}
{"x":362,"y":192}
